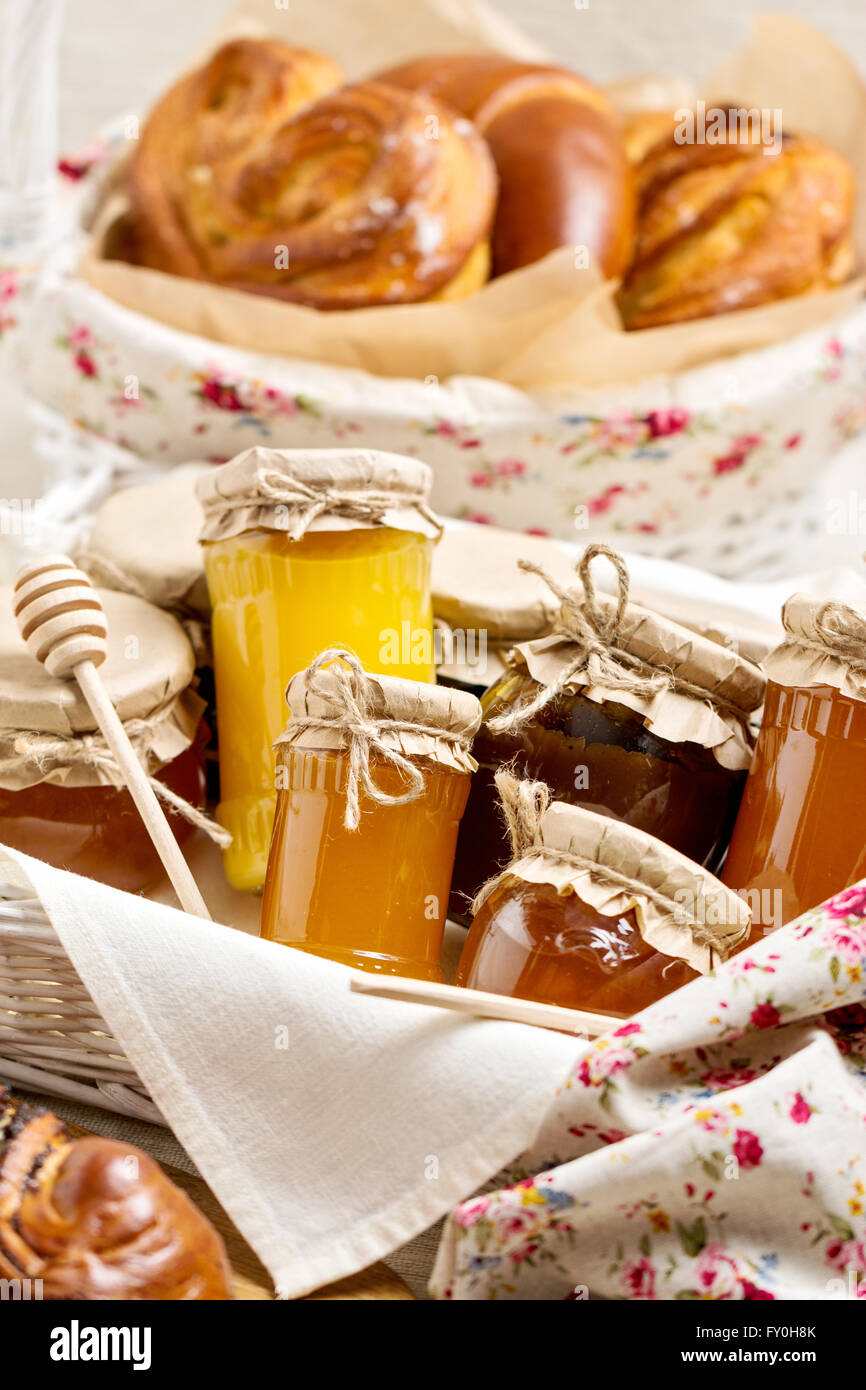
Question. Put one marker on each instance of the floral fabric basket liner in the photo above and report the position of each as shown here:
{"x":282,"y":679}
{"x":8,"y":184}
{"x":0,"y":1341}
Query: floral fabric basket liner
{"x":687,"y":447}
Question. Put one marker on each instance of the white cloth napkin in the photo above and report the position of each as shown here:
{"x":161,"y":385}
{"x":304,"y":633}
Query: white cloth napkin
{"x":333,"y":1127}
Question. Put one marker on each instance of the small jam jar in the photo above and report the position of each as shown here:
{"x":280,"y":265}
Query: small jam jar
{"x":800,"y":836}
{"x":633,"y":717}
{"x":62,"y":797}
{"x":367,"y":817}
{"x":595,"y":915}
{"x":302,"y":548}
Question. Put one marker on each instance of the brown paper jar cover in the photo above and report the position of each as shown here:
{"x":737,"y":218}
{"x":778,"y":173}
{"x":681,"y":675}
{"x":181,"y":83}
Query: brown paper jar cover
{"x":147,"y":675}
{"x":825,"y":644}
{"x":144,"y":541}
{"x":300,"y":490}
{"x":728,"y":689}
{"x":480,"y":592}
{"x":447,"y":719}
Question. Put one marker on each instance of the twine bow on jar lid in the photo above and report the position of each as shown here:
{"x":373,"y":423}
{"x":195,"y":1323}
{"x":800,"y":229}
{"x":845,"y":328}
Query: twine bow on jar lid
{"x":335,"y":704}
{"x":295,"y":491}
{"x":686,"y":687}
{"x":593,"y":626}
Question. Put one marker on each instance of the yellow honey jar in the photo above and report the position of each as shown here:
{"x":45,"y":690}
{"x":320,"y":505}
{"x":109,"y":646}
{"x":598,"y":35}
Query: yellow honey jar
{"x":302,"y":549}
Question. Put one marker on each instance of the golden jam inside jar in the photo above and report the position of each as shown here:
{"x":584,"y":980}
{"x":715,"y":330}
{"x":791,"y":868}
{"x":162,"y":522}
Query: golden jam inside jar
{"x":376,"y":897}
{"x":97,"y":831}
{"x":276,"y":603}
{"x":801,"y":831}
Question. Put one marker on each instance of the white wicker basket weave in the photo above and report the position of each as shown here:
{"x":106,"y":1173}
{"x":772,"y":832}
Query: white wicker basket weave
{"x":52,"y":1037}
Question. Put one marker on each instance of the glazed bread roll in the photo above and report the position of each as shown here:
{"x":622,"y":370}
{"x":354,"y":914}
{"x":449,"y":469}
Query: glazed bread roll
{"x":734,"y":224}
{"x":96,"y":1219}
{"x":369,"y":195}
{"x":564,"y":176}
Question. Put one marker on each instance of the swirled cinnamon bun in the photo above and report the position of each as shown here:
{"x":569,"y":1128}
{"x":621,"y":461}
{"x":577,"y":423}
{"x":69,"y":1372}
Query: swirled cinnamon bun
{"x":370,"y":195}
{"x":735,"y":223}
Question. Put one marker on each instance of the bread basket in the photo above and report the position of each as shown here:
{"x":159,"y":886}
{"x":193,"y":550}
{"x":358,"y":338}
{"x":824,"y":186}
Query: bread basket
{"x":713,"y":464}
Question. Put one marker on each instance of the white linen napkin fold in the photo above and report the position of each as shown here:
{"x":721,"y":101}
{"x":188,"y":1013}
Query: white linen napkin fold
{"x":332,"y":1127}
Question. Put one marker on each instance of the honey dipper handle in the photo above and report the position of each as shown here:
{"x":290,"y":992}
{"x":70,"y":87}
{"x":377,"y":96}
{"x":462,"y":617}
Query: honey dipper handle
{"x":482,"y":1004}
{"x":140,"y":790}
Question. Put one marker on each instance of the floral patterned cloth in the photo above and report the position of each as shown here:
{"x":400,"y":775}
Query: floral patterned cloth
{"x":676,"y":464}
{"x":714,"y":1147}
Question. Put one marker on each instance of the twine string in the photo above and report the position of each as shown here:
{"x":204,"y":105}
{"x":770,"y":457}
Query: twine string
{"x":593,"y":629}
{"x":312,"y":502}
{"x":350,"y":688}
{"x":841,"y":634}
{"x":91,"y":750}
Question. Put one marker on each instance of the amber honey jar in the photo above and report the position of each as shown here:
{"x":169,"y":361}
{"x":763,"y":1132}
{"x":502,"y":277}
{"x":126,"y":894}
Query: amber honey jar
{"x":624,"y":712}
{"x":302,"y":548}
{"x":800,"y":836}
{"x":372,"y":774}
{"x":593,"y":914}
{"x":62,"y":797}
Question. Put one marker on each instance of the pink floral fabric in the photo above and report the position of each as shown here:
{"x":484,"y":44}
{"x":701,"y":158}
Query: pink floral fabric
{"x":649,"y":465}
{"x":713,"y":1147}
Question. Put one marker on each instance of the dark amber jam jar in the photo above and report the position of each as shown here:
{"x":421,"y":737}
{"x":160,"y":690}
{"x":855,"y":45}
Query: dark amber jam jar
{"x":602,"y":757}
{"x":623,"y":712}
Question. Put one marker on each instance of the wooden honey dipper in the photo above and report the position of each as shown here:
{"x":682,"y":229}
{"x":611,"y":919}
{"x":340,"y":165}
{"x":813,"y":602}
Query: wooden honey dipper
{"x":60,"y":617}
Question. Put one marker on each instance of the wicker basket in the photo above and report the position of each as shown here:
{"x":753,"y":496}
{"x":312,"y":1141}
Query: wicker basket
{"x":52,"y":1037}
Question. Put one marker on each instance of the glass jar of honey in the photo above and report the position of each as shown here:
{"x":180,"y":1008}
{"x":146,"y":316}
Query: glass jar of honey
{"x":62,"y":797}
{"x":621,"y":711}
{"x":800,"y":835}
{"x":302,"y":548}
{"x":373,"y":773}
{"x":593,"y":914}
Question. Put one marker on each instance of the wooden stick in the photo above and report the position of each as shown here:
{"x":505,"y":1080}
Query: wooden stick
{"x":61,"y":620}
{"x":484,"y":1005}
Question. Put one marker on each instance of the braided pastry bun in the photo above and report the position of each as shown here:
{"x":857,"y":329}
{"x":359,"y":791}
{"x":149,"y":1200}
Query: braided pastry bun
{"x":734,"y":224}
{"x":96,"y":1219}
{"x":367,"y":196}
{"x":564,"y":176}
